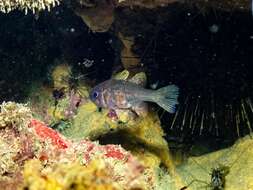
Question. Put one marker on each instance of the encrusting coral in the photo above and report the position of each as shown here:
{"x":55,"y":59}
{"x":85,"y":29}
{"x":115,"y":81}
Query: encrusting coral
{"x":33,"y":139}
{"x":68,"y":176}
{"x":61,"y":75}
{"x":14,"y":114}
{"x":196,"y":172}
{"x":33,"y":5}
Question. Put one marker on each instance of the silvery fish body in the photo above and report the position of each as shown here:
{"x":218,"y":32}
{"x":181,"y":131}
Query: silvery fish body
{"x":121,"y":94}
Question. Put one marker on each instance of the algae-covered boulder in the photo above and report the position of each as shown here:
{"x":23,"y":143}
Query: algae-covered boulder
{"x":237,"y":159}
{"x":14,"y":114}
{"x":34,"y":156}
{"x":68,"y":176}
{"x":235,"y":163}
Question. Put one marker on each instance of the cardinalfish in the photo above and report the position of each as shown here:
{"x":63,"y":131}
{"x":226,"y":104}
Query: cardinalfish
{"x":121,"y":94}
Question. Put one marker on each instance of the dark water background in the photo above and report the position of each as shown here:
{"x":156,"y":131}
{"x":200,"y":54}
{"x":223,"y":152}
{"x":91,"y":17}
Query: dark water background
{"x":209,"y":56}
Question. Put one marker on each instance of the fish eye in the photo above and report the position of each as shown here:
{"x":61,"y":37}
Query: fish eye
{"x":95,"y":95}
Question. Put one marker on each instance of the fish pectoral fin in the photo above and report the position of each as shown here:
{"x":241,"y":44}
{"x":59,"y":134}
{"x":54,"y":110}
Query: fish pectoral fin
{"x":125,"y":115}
{"x":141,"y":109}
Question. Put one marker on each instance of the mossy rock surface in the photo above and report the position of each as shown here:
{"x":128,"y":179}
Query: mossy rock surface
{"x":238,"y":159}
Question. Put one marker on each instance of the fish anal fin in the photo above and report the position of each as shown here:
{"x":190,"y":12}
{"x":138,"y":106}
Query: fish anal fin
{"x":125,"y":115}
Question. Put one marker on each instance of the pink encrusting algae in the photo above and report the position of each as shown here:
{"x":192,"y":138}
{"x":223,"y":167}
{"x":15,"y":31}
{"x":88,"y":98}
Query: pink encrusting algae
{"x":38,"y":141}
{"x":44,"y":132}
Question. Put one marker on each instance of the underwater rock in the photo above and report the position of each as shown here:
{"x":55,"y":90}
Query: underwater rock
{"x":95,"y":176}
{"x":146,"y":3}
{"x":57,"y":103}
{"x":28,"y":5}
{"x":14,"y":114}
{"x":39,"y":142}
{"x":98,"y":17}
{"x":231,"y":5}
{"x":128,"y":58}
{"x":237,"y":160}
{"x":68,"y":176}
{"x":44,"y":132}
{"x":61,"y":75}
{"x":122,"y":166}
{"x":96,"y":7}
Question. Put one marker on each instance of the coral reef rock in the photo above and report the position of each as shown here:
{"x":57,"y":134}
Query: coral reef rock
{"x":38,"y":5}
{"x":50,"y":161}
{"x":237,"y":159}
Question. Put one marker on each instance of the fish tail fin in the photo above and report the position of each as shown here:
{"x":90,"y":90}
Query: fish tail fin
{"x":166,"y":97}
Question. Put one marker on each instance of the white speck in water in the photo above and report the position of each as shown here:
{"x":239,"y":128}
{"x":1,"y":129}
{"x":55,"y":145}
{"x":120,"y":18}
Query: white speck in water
{"x":154,"y":85}
{"x":251,"y":37}
{"x":188,"y":14}
{"x":72,"y":30}
{"x":214,"y":28}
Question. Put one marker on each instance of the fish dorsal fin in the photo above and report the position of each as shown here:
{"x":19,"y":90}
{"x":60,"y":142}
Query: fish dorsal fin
{"x":139,"y":78}
{"x":123,"y":75}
